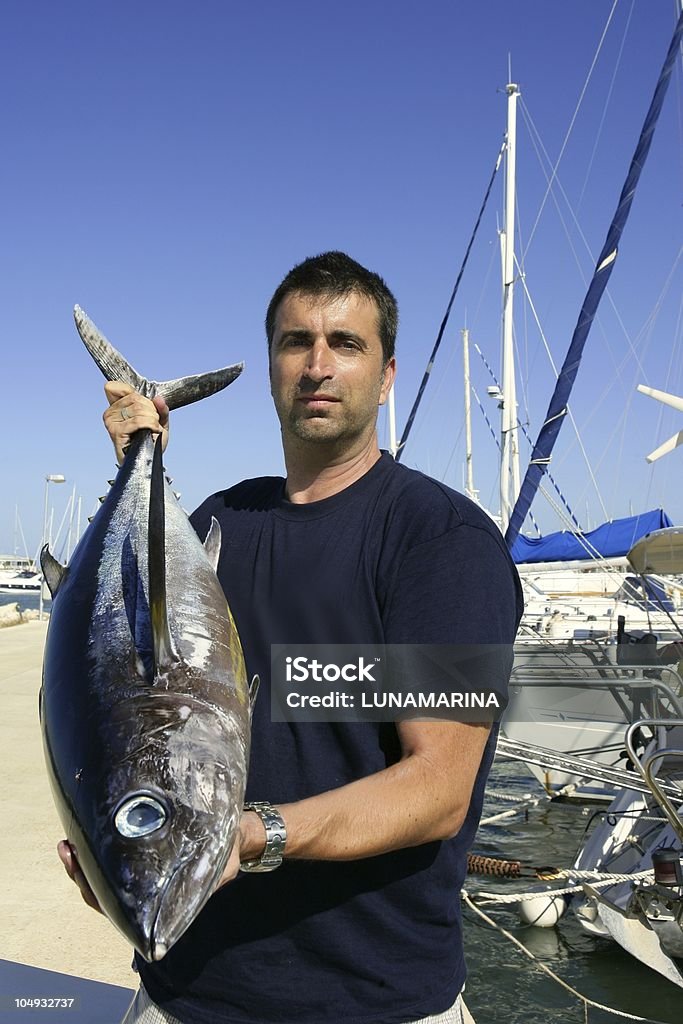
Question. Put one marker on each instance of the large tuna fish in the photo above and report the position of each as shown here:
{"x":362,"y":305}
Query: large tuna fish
{"x":145,"y":708}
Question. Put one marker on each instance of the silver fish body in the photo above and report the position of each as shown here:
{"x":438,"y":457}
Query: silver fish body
{"x":145,"y":709}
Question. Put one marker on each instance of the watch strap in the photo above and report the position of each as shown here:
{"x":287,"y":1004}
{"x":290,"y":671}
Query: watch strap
{"x":276,"y":837}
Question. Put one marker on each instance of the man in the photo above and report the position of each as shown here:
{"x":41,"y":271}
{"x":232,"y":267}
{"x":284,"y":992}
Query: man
{"x":361,"y":921}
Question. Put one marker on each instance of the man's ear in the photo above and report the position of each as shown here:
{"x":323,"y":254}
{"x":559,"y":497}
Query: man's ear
{"x":389,"y":375}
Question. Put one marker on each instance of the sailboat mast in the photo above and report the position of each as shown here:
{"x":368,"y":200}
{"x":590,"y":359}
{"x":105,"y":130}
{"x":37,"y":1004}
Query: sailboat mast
{"x":469,"y":485}
{"x":509,"y":467}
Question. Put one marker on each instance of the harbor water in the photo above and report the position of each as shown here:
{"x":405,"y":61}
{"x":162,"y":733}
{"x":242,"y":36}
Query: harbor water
{"x":27,"y":602}
{"x":504,"y":987}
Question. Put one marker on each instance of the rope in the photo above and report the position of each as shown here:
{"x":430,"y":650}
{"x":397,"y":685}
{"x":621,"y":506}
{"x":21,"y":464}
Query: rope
{"x":505,"y":814}
{"x":523,"y":802}
{"x":597,"y":879}
{"x":495,"y":794}
{"x":584,"y":1000}
{"x":478,"y":864}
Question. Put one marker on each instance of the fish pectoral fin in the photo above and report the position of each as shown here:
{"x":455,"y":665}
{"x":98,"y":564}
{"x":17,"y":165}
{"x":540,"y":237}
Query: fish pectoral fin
{"x":253,"y":693}
{"x":53,"y":571}
{"x":212,"y":544}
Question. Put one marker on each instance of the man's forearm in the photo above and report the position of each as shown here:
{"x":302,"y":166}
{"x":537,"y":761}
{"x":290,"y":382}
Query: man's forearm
{"x":422,"y":798}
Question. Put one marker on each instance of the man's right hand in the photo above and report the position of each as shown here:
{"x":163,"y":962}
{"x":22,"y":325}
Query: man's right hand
{"x":73,"y":870}
{"x":130,"y":411}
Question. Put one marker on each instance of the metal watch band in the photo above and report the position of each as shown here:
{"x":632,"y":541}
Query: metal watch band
{"x":276,"y":837}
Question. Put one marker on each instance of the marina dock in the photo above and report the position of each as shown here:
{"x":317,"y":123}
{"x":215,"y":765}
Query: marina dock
{"x":46,"y":924}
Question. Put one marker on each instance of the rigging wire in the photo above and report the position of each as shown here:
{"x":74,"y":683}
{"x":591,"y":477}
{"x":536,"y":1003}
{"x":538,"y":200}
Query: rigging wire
{"x":646,"y":331}
{"x":484,"y":288}
{"x":604,"y":109}
{"x":636,"y":353}
{"x":525,"y":432}
{"x":662,"y":409}
{"x":569,"y":411}
{"x":535,"y":135}
{"x":444,"y":322}
{"x":435,"y":393}
{"x":618,"y":366}
{"x":571,"y":125}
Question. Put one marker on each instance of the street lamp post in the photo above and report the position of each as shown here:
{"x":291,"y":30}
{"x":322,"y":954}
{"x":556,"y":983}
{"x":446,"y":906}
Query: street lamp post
{"x":51,"y":478}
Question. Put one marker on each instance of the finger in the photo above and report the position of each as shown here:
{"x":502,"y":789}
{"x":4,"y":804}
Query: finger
{"x":131,"y":406}
{"x":126,"y":416}
{"x":162,"y":409}
{"x":73,"y":870}
{"x":128,"y":419}
{"x":85,"y":890}
{"x":66,"y":856}
{"x":116,"y":389}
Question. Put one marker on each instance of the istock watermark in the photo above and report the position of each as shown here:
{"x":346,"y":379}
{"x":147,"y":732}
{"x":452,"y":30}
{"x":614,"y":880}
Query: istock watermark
{"x":388,"y":682}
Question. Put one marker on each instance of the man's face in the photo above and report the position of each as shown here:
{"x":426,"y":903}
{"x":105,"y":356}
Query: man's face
{"x":327,"y":376}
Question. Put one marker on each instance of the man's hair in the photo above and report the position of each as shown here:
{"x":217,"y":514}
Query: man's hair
{"x":333,"y":275}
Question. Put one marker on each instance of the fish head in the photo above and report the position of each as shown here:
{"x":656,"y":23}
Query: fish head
{"x":165,"y":820}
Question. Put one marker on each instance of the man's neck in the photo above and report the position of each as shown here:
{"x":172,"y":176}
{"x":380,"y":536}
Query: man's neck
{"x":313,"y":475}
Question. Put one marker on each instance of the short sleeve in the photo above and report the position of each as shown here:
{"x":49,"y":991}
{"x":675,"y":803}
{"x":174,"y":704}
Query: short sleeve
{"x":459,"y":588}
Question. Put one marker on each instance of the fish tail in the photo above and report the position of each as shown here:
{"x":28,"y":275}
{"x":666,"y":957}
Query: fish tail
{"x":176,"y":393}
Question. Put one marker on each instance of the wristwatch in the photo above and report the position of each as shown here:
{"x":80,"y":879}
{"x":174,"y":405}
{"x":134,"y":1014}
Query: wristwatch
{"x":276,"y":837}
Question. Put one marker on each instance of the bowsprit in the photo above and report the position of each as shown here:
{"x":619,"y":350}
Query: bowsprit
{"x":145,"y":707}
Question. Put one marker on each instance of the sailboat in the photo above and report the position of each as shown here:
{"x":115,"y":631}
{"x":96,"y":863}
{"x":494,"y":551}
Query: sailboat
{"x":637,"y":843}
{"x":576,"y":698}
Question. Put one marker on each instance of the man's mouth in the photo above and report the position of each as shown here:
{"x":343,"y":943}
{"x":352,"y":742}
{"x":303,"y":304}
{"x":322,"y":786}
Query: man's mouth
{"x":317,"y":401}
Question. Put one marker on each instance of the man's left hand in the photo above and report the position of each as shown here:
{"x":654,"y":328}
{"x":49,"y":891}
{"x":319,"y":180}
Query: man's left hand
{"x":249,"y":844}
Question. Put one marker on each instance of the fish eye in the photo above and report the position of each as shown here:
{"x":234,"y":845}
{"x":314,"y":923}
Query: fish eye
{"x":140,"y":815}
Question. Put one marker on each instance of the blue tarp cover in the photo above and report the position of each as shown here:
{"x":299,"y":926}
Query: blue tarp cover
{"x":611,"y":540}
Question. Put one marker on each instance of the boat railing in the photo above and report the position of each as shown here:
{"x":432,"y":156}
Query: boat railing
{"x":634,"y":685}
{"x":645,"y":766}
{"x":582,"y":767}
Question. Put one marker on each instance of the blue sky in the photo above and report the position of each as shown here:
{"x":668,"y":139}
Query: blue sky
{"x":164,"y":164}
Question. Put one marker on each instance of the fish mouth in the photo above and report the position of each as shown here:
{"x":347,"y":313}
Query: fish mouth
{"x":166,"y":926}
{"x":158,"y":950}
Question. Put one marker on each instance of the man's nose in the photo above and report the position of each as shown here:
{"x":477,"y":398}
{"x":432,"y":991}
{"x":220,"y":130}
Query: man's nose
{"x":320,"y":363}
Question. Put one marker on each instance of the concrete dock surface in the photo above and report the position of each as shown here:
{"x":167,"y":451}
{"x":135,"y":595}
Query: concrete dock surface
{"x":45,"y":923}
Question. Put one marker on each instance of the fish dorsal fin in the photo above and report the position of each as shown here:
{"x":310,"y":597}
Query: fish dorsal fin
{"x":176,"y":393}
{"x":253,"y":693}
{"x":212,"y":544}
{"x":164,"y":651}
{"x":53,"y":571}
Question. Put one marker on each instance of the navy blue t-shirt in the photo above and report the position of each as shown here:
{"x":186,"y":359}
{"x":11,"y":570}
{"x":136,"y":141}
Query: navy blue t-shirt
{"x":394,"y":558}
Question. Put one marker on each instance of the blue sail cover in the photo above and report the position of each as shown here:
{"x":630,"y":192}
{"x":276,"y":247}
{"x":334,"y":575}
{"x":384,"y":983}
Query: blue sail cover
{"x":611,"y":540}
{"x":557,"y":410}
